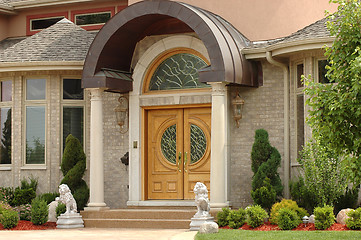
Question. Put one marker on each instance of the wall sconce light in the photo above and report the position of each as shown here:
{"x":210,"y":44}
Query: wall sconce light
{"x":237,"y":104}
{"x":121,"y":114}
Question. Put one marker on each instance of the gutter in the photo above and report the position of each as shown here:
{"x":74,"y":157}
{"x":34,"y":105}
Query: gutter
{"x":7,"y":9}
{"x":286,"y":120}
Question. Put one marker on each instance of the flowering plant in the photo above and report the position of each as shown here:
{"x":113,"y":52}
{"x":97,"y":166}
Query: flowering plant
{"x":24,"y":212}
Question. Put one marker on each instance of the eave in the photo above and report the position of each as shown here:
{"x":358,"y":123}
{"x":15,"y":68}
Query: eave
{"x":43,"y":3}
{"x":40,"y":66}
{"x":284,"y":48}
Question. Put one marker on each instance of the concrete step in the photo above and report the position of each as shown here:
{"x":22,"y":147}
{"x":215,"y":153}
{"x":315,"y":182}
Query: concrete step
{"x":139,"y":214}
{"x":137,"y":223}
{"x":140,"y":218}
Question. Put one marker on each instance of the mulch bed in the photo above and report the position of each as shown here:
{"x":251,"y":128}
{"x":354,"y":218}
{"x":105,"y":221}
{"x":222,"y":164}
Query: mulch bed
{"x":309,"y":227}
{"x":27,"y":225}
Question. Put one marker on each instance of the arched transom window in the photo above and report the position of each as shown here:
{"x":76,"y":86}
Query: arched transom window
{"x":176,"y":70}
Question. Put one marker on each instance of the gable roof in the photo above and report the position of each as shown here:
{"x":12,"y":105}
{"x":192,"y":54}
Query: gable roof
{"x":64,"y":41}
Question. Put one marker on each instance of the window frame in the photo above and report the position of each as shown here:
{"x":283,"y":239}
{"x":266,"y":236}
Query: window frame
{"x":298,"y":92}
{"x":90,"y":27}
{"x":316,"y":69}
{"x":8,"y":104}
{"x":71,"y":103}
{"x":159,"y":60}
{"x":35,"y":103}
{"x":31,"y":18}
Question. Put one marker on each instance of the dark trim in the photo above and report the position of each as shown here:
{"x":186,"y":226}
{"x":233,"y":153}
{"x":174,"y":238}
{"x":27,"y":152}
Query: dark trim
{"x":114,"y":45}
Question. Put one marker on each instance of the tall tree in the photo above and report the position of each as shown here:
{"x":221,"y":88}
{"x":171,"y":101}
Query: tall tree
{"x":335,"y":115}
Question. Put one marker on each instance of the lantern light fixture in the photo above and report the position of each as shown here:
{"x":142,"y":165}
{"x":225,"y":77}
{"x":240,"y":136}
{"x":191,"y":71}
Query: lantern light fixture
{"x":237,"y":104}
{"x":121,"y":114}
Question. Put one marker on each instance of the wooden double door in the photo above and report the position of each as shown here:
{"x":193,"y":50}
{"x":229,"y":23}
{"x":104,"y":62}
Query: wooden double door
{"x":178,"y":152}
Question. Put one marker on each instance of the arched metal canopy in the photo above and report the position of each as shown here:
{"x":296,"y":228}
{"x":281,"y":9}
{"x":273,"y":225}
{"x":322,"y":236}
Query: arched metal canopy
{"x":114,"y":45}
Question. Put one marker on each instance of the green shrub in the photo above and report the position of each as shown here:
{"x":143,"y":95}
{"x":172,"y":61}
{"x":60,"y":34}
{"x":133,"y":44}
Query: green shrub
{"x":9,"y":219}
{"x":23,"y":196}
{"x":60,"y":209}
{"x":6,"y":194}
{"x":24,"y":212}
{"x":304,"y":198}
{"x":24,"y":184}
{"x":236,"y":218}
{"x":354,"y":222}
{"x":222,"y":217}
{"x":348,"y":199}
{"x":287,"y":219}
{"x":73,"y":167}
{"x":265,"y":195}
{"x":324,"y":217}
{"x":49,"y":197}
{"x":39,"y":211}
{"x":256,"y":215}
{"x":324,"y":173}
{"x":289,"y":204}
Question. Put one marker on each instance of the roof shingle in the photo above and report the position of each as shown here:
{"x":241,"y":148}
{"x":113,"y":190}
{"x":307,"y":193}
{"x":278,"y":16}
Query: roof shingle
{"x":64,"y":41}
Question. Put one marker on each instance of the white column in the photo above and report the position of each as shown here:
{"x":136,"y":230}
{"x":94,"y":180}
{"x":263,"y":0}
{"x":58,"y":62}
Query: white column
{"x":219,"y":152}
{"x":96,"y":201}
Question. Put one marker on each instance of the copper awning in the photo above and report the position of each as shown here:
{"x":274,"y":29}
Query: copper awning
{"x":114,"y":45}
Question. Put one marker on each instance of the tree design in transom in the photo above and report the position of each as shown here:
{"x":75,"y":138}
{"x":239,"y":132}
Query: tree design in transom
{"x":180,"y":71}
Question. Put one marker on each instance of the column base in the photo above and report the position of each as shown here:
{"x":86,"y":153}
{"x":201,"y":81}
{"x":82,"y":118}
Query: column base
{"x":96,"y":207}
{"x":219,"y":205}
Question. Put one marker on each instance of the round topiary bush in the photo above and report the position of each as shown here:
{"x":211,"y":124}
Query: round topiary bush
{"x":222,"y":217}
{"x":9,"y":219}
{"x":324,"y":217}
{"x":256,"y":215}
{"x":236,"y":218}
{"x":287,"y":219}
{"x":289,"y":204}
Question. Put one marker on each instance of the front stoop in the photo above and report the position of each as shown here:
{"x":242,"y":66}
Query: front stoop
{"x":139,"y":218}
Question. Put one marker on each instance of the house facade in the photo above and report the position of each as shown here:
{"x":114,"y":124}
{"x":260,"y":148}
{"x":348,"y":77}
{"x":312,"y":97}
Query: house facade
{"x":65,"y":66}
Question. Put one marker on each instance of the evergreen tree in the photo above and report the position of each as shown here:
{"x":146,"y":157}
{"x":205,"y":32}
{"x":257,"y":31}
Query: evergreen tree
{"x":73,"y":167}
{"x":266,"y":182}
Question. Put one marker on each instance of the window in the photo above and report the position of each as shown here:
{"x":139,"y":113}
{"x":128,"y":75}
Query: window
{"x":5,"y":122}
{"x":35,"y":23}
{"x":322,"y":71}
{"x":35,"y":121}
{"x":39,"y":24}
{"x":178,"y":70}
{"x":300,"y":108}
{"x":92,"y":19}
{"x":73,"y":109}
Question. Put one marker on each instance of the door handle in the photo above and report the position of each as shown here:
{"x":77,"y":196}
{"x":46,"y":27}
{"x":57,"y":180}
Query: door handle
{"x":179,"y":161}
{"x":185,"y":162}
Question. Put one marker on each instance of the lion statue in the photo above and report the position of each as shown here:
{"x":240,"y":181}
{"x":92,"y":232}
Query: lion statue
{"x":201,"y":199}
{"x":67,"y":198}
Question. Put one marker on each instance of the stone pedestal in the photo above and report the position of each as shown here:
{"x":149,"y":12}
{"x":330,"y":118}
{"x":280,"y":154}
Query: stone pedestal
{"x":73,"y":220}
{"x":196,"y":222}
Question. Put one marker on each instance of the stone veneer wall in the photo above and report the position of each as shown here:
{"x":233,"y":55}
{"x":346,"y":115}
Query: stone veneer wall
{"x":116,"y":176}
{"x":263,"y":108}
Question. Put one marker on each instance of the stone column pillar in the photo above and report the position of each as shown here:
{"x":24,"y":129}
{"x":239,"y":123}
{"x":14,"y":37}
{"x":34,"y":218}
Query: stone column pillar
{"x":219,"y":152}
{"x":96,"y":201}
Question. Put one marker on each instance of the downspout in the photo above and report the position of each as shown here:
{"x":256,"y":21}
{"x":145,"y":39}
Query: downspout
{"x":286,"y":120}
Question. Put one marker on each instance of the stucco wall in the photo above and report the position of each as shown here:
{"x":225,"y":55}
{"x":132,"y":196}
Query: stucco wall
{"x":263,"y":108}
{"x":265,"y":19}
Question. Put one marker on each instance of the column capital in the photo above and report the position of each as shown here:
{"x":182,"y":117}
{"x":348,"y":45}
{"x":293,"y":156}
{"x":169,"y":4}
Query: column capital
{"x":96,"y":93}
{"x":219,"y":88}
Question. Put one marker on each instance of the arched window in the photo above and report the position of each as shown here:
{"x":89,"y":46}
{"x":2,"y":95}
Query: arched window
{"x":176,"y":70}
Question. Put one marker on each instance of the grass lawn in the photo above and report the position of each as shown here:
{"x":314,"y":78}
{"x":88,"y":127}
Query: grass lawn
{"x":278,"y":235}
